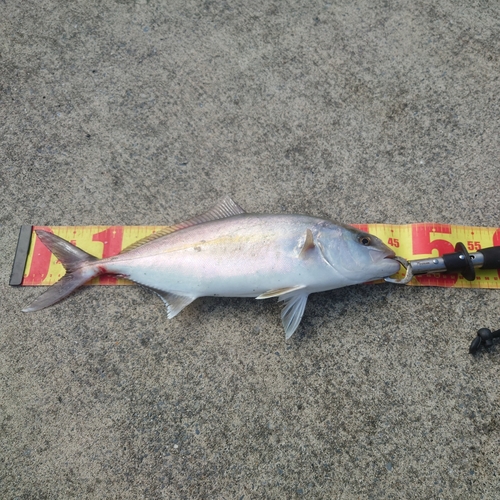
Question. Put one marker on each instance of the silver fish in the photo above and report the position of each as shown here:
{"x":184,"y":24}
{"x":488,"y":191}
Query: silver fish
{"x":227,"y":252}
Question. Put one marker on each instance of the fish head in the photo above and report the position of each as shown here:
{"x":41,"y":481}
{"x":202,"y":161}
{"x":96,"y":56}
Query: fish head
{"x":355,"y":254}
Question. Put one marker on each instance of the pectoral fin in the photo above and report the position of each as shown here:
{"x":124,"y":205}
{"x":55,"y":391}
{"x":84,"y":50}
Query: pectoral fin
{"x":308,"y":244}
{"x":295,"y":304}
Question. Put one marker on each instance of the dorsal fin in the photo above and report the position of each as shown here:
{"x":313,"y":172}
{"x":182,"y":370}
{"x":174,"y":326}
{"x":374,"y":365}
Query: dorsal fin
{"x":224,"y":208}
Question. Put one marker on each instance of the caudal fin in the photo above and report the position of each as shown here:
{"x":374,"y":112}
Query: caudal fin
{"x":78,"y":265}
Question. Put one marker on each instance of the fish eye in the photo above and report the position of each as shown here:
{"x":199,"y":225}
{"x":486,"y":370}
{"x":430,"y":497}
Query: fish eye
{"x":365,"y":240}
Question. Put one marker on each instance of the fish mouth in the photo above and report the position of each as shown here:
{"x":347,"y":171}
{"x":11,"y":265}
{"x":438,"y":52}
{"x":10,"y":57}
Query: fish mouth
{"x":385,"y":262}
{"x":393,"y":263}
{"x":378,"y":255}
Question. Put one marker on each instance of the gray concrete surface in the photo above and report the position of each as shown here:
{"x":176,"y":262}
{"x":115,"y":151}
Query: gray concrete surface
{"x":143,"y":112}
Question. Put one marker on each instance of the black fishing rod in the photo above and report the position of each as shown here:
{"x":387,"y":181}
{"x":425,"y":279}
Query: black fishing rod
{"x":460,"y":261}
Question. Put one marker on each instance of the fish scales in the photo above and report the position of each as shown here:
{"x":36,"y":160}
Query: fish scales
{"x":241,"y":257}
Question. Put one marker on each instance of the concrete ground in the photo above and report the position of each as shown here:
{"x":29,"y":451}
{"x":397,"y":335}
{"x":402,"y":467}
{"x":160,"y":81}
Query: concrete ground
{"x":144,"y":112}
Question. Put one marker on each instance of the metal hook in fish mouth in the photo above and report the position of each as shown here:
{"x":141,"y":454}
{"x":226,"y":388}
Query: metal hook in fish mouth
{"x":407,"y":277}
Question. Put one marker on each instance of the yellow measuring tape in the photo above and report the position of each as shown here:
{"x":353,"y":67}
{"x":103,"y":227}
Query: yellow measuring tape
{"x":411,"y":241}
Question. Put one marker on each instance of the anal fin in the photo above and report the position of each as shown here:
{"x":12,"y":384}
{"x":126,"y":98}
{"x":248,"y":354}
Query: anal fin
{"x":175,"y":303}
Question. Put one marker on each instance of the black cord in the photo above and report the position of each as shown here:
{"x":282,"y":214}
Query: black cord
{"x":484,"y":339}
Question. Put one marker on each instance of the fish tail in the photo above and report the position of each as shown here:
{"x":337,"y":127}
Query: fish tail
{"x":79,"y":269}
